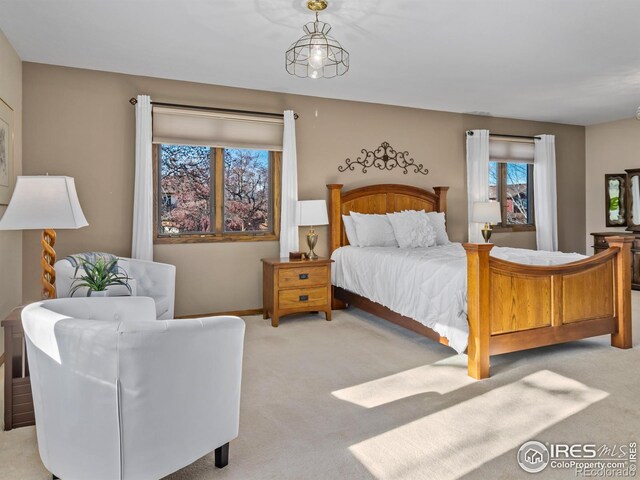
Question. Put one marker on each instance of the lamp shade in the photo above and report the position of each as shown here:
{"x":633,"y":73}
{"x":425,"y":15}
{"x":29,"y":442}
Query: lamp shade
{"x":486,"y":212}
{"x":43,"y":202}
{"x":312,"y":212}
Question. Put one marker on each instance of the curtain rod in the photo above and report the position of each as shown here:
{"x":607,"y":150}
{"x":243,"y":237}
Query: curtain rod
{"x":133,"y":101}
{"x":470,"y":132}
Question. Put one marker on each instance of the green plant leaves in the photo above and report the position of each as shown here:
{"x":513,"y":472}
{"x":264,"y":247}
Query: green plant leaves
{"x":99,"y":275}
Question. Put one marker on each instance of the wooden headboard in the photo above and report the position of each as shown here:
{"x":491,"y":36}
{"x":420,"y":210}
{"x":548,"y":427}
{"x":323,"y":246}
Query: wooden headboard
{"x":383,"y":198}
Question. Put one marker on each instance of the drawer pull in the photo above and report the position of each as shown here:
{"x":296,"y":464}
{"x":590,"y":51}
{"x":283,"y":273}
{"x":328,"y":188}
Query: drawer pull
{"x":303,"y":276}
{"x":303,"y":298}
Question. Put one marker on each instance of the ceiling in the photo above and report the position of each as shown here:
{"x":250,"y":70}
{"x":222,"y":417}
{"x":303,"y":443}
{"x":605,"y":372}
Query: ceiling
{"x":568,"y":61}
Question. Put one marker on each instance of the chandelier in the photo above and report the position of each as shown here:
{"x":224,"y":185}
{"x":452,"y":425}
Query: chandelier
{"x":316,"y":54}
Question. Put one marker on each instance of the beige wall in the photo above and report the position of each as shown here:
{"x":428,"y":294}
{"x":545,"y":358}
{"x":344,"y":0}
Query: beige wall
{"x":570,"y":168}
{"x":79,"y":123}
{"x":612,"y":147}
{"x":11,"y":242}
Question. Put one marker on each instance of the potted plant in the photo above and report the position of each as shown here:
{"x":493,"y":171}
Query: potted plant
{"x":98,"y":276}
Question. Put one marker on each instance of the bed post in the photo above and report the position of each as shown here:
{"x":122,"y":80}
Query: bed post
{"x":478,"y":308}
{"x":622,"y":337}
{"x":335,"y":222}
{"x":442,"y":198}
{"x":335,"y":191}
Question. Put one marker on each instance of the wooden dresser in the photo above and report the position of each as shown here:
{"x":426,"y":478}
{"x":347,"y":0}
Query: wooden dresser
{"x":295,"y":286}
{"x":600,"y":244}
{"x":18,"y":403}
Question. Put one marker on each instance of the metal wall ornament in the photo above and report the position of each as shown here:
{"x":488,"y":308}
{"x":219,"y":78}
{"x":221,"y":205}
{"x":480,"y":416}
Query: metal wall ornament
{"x":385,"y":157}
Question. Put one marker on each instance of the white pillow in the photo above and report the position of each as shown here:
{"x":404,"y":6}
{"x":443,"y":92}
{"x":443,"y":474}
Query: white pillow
{"x":350,"y":230}
{"x":437,"y":219}
{"x":373,"y":230}
{"x":412,"y":229}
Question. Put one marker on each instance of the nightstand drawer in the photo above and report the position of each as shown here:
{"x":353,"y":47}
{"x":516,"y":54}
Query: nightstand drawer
{"x":303,"y":297}
{"x":601,"y":242}
{"x":301,"y":277}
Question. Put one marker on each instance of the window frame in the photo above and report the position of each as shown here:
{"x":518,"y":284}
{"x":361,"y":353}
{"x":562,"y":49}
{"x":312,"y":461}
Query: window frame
{"x":504,"y":226}
{"x":216,"y":165}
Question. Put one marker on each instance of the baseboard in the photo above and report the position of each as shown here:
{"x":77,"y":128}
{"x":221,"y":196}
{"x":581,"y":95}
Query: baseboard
{"x":237,"y":313}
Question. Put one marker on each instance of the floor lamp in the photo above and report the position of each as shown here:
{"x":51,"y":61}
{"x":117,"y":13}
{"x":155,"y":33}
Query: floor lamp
{"x":44,"y":203}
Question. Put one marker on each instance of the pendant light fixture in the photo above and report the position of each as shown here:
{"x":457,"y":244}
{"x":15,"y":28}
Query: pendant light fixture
{"x":316,"y":54}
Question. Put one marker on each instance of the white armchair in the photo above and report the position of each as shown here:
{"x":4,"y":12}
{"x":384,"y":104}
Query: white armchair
{"x":148,"y":279}
{"x":120,"y":395}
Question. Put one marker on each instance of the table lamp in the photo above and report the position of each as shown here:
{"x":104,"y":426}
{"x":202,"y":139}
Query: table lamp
{"x":44,"y":203}
{"x":487,"y":213}
{"x":312,"y":213}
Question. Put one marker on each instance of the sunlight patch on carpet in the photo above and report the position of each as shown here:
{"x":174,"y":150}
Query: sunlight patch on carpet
{"x":441,"y":377}
{"x":453,"y":442}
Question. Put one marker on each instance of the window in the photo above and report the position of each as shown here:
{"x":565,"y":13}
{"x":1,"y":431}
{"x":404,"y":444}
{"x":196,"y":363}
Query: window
{"x":215,"y":194}
{"x":511,"y":182}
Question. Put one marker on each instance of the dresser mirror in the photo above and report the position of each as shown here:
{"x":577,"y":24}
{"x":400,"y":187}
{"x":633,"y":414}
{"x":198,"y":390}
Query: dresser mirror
{"x":615,"y":193}
{"x":633,"y":200}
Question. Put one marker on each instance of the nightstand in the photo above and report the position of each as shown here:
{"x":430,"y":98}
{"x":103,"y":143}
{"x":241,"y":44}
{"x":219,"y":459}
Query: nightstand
{"x":295,"y":286}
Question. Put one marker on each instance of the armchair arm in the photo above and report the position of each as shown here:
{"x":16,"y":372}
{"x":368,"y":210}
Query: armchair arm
{"x":73,"y":379}
{"x":118,"y":309}
{"x":179,"y":391}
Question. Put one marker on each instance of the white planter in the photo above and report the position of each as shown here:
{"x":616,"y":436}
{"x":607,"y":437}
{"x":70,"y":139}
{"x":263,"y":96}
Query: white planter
{"x":103,"y":293}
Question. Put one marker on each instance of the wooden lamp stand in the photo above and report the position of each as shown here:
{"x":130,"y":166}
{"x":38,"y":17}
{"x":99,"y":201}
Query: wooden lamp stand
{"x":48,"y":258}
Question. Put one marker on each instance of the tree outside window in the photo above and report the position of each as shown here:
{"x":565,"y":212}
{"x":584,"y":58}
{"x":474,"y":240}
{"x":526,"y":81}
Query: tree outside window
{"x":215,"y":194}
{"x":511,"y":184}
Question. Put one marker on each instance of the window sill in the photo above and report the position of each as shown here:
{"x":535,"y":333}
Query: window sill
{"x":228,"y":238}
{"x":514,"y":228}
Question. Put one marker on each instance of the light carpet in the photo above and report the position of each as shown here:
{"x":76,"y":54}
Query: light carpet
{"x":359,"y":398}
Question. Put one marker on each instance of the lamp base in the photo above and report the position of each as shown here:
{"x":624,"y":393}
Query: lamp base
{"x":48,"y":258}
{"x":312,"y":240}
{"x":486,"y":232}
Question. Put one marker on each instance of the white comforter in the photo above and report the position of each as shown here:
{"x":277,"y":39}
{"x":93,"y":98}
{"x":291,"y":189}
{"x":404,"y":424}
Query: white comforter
{"x":426,"y":284}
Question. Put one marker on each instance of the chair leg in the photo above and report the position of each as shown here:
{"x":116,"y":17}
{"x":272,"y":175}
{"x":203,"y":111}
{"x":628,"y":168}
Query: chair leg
{"x":53,"y":476}
{"x":222,"y":456}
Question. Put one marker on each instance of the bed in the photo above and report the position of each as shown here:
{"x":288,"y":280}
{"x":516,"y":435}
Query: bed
{"x":510,"y":305}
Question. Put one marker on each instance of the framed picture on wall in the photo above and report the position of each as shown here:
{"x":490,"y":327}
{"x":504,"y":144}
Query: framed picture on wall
{"x":615,"y":201}
{"x":6,"y":152}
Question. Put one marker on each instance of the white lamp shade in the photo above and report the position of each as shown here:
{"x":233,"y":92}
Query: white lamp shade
{"x":312,"y":212}
{"x":486,"y":212}
{"x":43,"y":202}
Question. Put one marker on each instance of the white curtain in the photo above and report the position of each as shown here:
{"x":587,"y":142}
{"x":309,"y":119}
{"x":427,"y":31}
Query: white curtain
{"x":288,"y":225}
{"x":142,"y":242}
{"x":544,"y":193}
{"x":477,"y":177}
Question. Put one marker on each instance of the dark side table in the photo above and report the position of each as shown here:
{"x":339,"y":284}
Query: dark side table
{"x":18,"y":402}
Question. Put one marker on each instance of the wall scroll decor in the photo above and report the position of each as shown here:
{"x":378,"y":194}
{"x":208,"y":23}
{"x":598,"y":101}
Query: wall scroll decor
{"x":384,"y":158}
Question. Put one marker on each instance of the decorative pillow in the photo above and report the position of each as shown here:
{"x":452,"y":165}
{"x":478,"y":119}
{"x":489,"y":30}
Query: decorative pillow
{"x":373,"y":230}
{"x":437,"y":219}
{"x":412,"y":229}
{"x":76,"y":259}
{"x":350,"y":230}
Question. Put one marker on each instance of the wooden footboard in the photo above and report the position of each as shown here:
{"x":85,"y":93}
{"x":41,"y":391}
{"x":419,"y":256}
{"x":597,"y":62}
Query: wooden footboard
{"x":514,"y":307}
